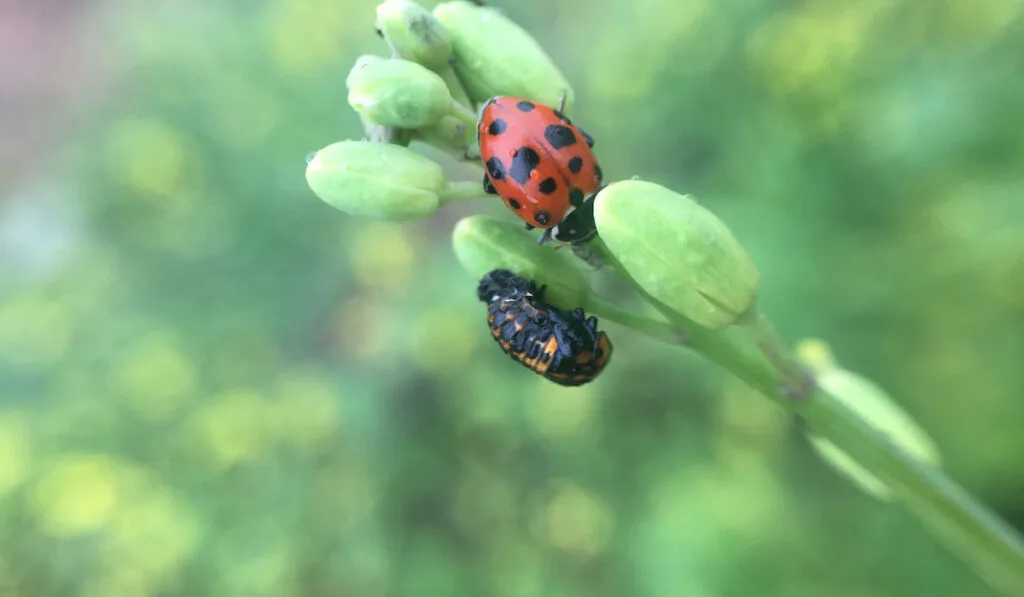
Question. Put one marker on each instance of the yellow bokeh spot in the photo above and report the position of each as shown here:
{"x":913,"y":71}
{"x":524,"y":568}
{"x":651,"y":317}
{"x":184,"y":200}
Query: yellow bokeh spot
{"x":382,"y":256}
{"x":305,"y":412}
{"x":306,"y":35}
{"x":153,"y":533}
{"x":444,"y":339}
{"x":158,"y":377}
{"x":980,"y":20}
{"x":148,"y":156}
{"x":577,"y":521}
{"x":363,"y":329}
{"x":76,"y":494}
{"x":34,"y":331}
{"x":243,"y":113}
{"x":233,"y":428}
{"x":810,"y":52}
{"x":560,"y":412}
{"x":15,"y":451}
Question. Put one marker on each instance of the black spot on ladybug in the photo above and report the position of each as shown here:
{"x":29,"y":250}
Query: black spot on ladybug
{"x":497,"y":126}
{"x":575,"y":197}
{"x":525,"y":106}
{"x":488,"y":187}
{"x":496,"y":169}
{"x":575,"y":164}
{"x":514,"y":204}
{"x":559,"y":136}
{"x":524,"y":162}
{"x":547,"y":186}
{"x":542,"y":217}
{"x":597,"y":172}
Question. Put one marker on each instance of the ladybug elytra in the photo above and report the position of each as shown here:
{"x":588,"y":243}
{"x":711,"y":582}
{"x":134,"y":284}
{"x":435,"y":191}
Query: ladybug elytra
{"x":564,"y":347}
{"x":541,"y":165}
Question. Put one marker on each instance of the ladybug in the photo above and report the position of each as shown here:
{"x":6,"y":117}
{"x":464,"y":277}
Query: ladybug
{"x":564,"y":347}
{"x":541,"y":165}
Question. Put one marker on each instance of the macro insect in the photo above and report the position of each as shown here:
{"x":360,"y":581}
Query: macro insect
{"x":541,"y":165}
{"x":564,"y":347}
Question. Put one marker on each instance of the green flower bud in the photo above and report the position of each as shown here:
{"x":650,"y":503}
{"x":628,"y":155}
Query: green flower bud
{"x":450,"y":134}
{"x":377,"y":180}
{"x":397,"y":93}
{"x":484,"y":243}
{"x":494,"y":56}
{"x":414,"y":33}
{"x":677,"y":251}
{"x":875,"y":407}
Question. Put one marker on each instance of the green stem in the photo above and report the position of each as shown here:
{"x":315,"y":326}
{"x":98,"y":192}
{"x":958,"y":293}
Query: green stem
{"x":450,"y":79}
{"x":658,"y":330}
{"x":459,"y":190}
{"x":465,"y":115}
{"x":972,"y":531}
{"x":797,"y":382}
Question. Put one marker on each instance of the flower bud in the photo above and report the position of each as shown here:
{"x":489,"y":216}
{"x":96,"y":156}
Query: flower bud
{"x":397,"y":93}
{"x":494,"y":56}
{"x":875,"y":407}
{"x":677,"y":251}
{"x":376,"y":180}
{"x":414,"y":33}
{"x":484,"y":243}
{"x":449,"y":133}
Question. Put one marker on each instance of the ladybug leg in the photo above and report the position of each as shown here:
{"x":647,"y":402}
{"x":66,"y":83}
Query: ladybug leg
{"x":488,"y":187}
{"x":544,"y":237}
{"x":587,"y":137}
{"x":561,"y":102}
{"x":530,"y":227}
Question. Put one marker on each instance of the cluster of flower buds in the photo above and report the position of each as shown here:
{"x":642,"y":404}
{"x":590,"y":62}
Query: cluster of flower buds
{"x":444,"y":66}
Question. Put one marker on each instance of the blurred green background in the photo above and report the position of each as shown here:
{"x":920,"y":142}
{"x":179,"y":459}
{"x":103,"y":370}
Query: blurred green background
{"x":212,"y":383}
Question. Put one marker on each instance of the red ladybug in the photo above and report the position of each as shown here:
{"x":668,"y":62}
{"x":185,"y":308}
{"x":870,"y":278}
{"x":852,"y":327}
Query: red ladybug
{"x":541,"y":165}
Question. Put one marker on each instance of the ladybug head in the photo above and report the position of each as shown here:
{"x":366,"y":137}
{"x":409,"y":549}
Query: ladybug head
{"x":501,"y":283}
{"x":578,"y":226}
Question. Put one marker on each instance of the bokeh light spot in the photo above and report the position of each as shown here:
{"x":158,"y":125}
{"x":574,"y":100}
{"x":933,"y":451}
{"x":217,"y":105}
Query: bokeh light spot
{"x":157,"y":378}
{"x":382,"y":257}
{"x":577,"y":521}
{"x":306,"y":409}
{"x":233,"y":428}
{"x":148,"y":156}
{"x":444,"y":339}
{"x":15,"y":451}
{"x":76,"y":494}
{"x":34,"y":331}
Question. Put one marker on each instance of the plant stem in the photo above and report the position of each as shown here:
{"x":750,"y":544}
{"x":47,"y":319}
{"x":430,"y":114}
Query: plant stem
{"x":972,"y":531}
{"x":448,"y":75}
{"x":465,"y":115}
{"x":658,"y":330}
{"x":797,"y":382}
{"x":459,"y":190}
